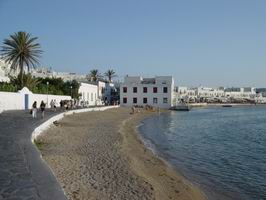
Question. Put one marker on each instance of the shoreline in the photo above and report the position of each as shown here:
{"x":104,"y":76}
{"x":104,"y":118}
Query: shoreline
{"x":167,"y":182}
{"x":137,"y":172}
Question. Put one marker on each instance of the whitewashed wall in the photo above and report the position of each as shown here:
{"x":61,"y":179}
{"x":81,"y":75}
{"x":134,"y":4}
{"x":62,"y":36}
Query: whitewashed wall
{"x":11,"y":101}
{"x":16,"y":101}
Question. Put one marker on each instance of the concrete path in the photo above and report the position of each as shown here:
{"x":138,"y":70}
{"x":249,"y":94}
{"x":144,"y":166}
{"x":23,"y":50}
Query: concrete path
{"x":23,"y":174}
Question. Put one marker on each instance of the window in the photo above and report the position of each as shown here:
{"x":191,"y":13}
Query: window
{"x":88,"y":96}
{"x":145,"y":89}
{"x":91,"y":96}
{"x":135,"y":100}
{"x":165,"y":89}
{"x":145,"y":100}
{"x":135,"y":89}
{"x":165,"y":100}
{"x":124,"y":100}
{"x":155,"y":100}
{"x":155,"y":89}
{"x":125,"y":89}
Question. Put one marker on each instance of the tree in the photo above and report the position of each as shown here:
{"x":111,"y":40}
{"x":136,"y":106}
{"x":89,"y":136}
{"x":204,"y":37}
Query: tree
{"x":110,"y":74}
{"x":21,"y":51}
{"x":28,"y":81}
{"x":94,"y":75}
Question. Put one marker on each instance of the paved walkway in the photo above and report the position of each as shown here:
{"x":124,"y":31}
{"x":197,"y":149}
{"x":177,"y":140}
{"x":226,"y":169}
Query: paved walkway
{"x":23,"y":174}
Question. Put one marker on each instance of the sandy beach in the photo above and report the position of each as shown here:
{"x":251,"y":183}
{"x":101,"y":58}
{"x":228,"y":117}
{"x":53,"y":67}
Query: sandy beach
{"x":98,"y":155}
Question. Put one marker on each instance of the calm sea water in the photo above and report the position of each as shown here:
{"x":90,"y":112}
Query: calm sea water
{"x":222,"y":150}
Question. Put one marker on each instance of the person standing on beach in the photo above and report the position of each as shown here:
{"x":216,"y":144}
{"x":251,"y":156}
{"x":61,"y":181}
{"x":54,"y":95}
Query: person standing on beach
{"x":34,"y":110}
{"x":42,"y":106}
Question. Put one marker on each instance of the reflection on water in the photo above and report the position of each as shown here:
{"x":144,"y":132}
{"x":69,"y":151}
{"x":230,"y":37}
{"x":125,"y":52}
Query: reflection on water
{"x":221,"y":149}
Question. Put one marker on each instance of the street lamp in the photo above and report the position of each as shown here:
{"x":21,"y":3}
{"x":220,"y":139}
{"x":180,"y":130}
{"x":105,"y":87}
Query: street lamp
{"x":47,"y":83}
{"x":71,"y":91}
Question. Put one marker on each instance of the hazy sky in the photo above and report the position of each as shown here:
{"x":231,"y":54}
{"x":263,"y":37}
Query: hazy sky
{"x":207,"y":42}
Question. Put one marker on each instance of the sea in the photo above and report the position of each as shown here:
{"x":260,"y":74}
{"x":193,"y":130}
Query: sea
{"x":220,"y":150}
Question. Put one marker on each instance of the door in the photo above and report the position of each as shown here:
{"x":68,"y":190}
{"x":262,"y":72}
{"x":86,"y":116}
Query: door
{"x":26,"y":100}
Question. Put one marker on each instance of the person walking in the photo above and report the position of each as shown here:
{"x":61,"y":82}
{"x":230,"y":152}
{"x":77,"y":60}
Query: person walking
{"x":52,"y":104}
{"x":34,"y":110}
{"x":55,"y":104}
{"x":42,"y":106}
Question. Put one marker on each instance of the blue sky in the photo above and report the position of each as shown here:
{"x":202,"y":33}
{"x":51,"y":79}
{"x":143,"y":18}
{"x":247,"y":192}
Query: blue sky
{"x":206,"y":42}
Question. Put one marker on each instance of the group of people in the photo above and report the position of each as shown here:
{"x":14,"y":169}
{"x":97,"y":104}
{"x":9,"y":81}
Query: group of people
{"x":42,"y":107}
{"x":64,"y":104}
{"x":35,"y":109}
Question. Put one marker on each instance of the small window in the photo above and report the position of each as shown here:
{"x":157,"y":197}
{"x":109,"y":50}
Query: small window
{"x":91,"y":96}
{"x":125,"y":89}
{"x":145,"y":89}
{"x":155,"y":100}
{"x":145,"y":100}
{"x":155,"y":90}
{"x":124,"y":100}
{"x":165,"y":100}
{"x":135,"y":100}
{"x":135,"y":89}
{"x":165,"y":89}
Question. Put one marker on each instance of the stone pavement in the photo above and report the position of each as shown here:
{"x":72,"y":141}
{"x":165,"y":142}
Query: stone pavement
{"x":23,"y":174}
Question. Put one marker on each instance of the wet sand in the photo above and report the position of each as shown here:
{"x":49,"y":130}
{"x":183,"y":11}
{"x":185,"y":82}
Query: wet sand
{"x":98,"y":155}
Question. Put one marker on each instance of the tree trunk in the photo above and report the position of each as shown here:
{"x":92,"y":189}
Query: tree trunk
{"x":21,"y":74}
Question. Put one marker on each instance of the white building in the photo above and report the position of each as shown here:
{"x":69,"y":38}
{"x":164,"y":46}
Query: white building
{"x":66,"y":76}
{"x":260,"y":98}
{"x":157,"y":92}
{"x":241,"y":93}
{"x":89,"y":94}
{"x":107,"y":92}
{"x":4,"y":68}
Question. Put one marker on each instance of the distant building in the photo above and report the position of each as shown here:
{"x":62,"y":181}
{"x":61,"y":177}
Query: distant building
{"x":138,"y":91}
{"x":241,"y":93}
{"x":66,"y":76}
{"x":4,"y":69}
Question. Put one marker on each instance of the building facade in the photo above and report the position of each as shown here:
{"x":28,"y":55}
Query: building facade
{"x":138,"y":91}
{"x":88,"y":94}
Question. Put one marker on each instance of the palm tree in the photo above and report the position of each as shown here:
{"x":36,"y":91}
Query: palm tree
{"x":110,"y":74}
{"x":94,"y":75}
{"x":28,"y":81}
{"x":21,"y":51}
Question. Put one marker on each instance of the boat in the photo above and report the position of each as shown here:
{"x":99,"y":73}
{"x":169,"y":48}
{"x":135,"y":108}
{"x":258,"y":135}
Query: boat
{"x":181,"y":107}
{"x":227,"y":106}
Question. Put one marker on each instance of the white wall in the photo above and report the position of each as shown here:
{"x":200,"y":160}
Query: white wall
{"x":11,"y":101}
{"x":16,"y":101}
{"x":43,"y":97}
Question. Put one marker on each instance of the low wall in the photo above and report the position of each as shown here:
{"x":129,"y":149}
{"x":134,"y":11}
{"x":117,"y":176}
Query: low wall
{"x":44,"y":126}
{"x":19,"y":101}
